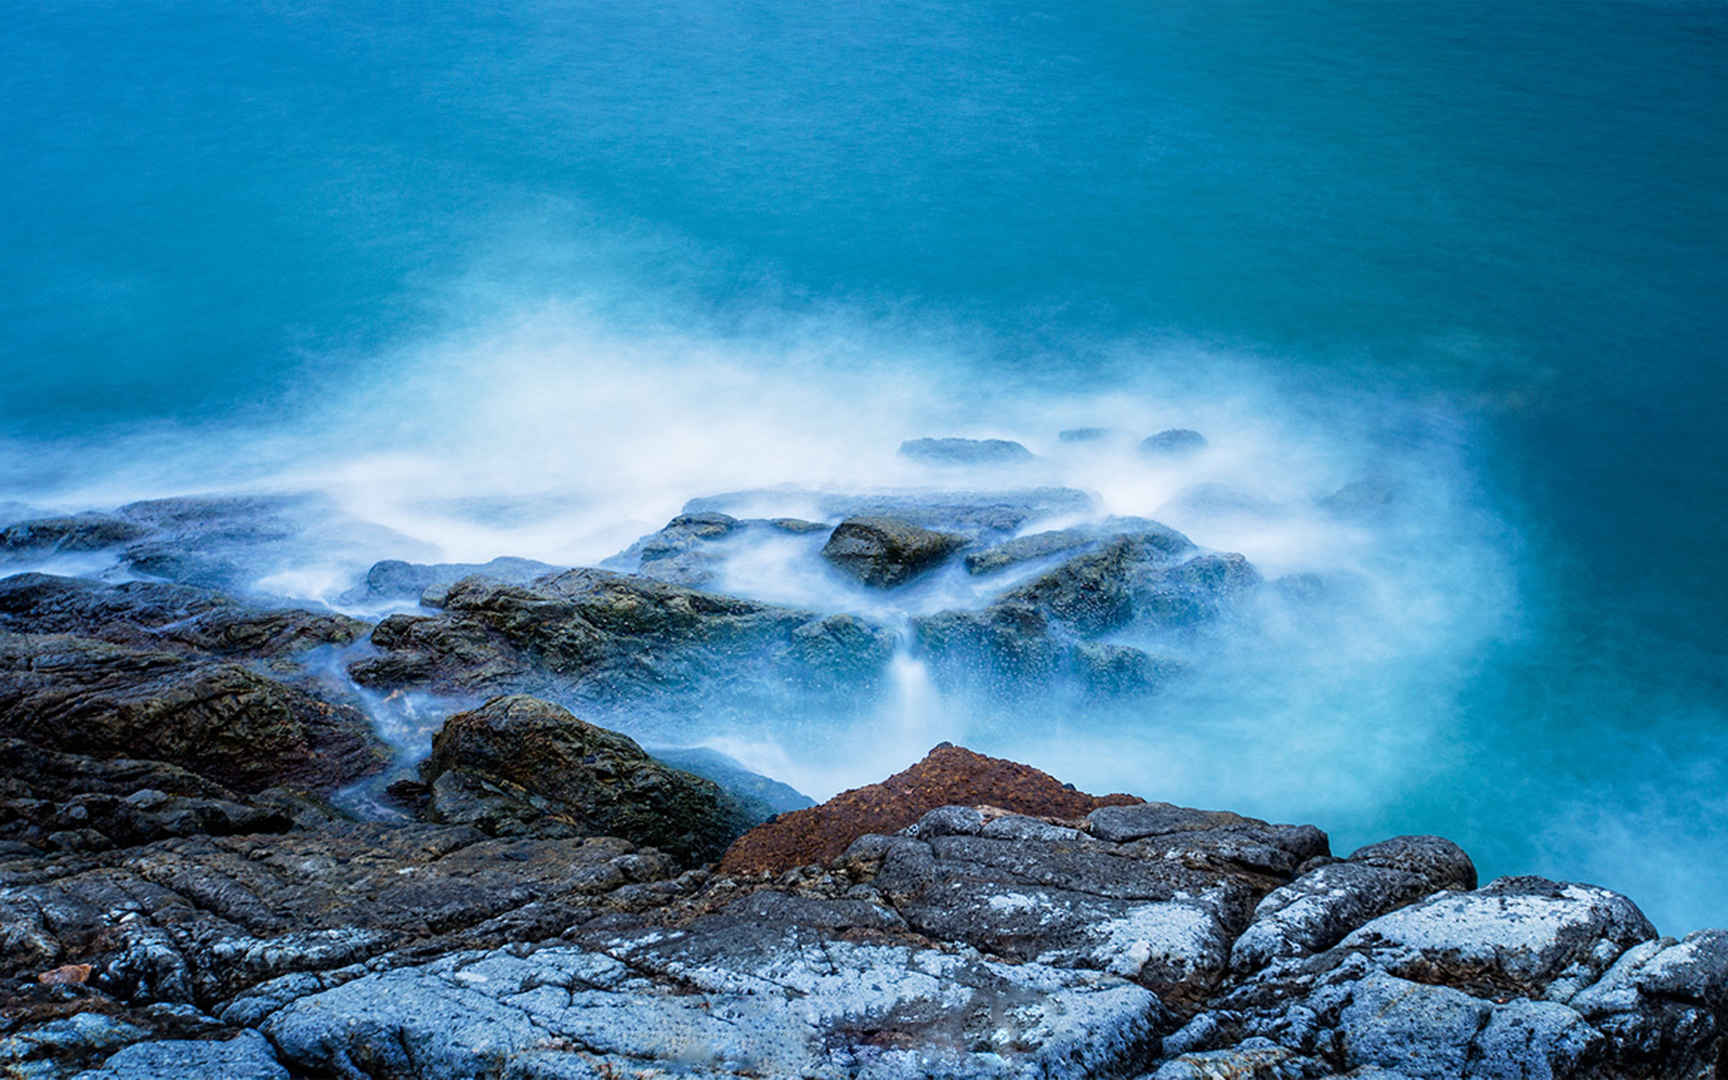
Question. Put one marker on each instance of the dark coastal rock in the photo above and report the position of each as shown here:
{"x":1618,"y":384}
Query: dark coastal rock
{"x":681,"y":553}
{"x":1000,"y":649}
{"x":221,"y":720}
{"x":393,"y":579}
{"x":948,"y":775}
{"x":1069,"y":940}
{"x":1133,"y":576}
{"x":602,"y":636}
{"x":519,"y":764}
{"x":156,"y":615}
{"x":1023,"y":549}
{"x":1118,"y":670}
{"x":200,"y":920}
{"x":1087,"y":434}
{"x":734,"y":778}
{"x":75,"y":533}
{"x":884,"y":552}
{"x":1173,"y":443}
{"x":952,"y":451}
{"x":973,"y":513}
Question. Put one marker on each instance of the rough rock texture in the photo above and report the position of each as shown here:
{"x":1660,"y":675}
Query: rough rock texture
{"x":221,"y":720}
{"x":594,"y":635}
{"x":885,"y":552}
{"x":948,"y":775}
{"x":517,"y":764}
{"x":953,"y":451}
{"x":1089,"y":941}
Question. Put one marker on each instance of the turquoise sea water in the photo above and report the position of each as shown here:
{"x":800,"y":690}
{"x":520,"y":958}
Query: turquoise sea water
{"x":1494,"y":228}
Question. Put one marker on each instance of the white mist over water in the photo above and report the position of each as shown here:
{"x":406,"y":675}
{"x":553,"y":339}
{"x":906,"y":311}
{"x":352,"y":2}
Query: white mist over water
{"x":553,"y":437}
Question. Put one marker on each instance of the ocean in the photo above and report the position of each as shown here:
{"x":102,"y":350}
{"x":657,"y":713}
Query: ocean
{"x":577,"y":262}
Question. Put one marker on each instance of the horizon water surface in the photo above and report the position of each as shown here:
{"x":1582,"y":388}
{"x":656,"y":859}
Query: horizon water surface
{"x":520,"y":279}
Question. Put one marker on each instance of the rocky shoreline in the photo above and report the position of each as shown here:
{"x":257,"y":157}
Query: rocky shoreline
{"x":188,"y":886}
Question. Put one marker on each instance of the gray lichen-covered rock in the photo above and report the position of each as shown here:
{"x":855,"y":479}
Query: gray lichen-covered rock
{"x":247,"y":1056}
{"x":1318,"y":909}
{"x":1519,"y":935}
{"x":885,"y":552}
{"x":723,"y":997}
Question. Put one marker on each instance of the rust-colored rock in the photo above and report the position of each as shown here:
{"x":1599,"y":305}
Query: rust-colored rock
{"x":948,"y":776}
{"x":64,"y":975}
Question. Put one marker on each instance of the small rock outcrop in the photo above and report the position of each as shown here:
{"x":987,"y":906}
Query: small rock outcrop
{"x":884,"y":552}
{"x":1173,"y":443}
{"x":519,"y":765}
{"x":952,"y":451}
{"x":948,"y":775}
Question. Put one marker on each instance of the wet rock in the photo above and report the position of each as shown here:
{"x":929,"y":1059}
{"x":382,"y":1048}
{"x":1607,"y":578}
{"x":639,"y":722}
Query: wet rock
{"x":1661,"y":1005}
{"x":884,"y":552}
{"x":603,"y":637}
{"x":79,"y":532}
{"x":1114,"y":670}
{"x":220,"y":720}
{"x":953,"y":451}
{"x":1001,"y":649}
{"x":733,"y":777}
{"x":153,"y":615}
{"x":1173,"y":443}
{"x":524,"y":763}
{"x":682,"y":552}
{"x":973,"y":513}
{"x":948,"y":775}
{"x":1101,"y":590}
{"x":1023,"y":549}
{"x":393,"y":579}
{"x":1086,"y":434}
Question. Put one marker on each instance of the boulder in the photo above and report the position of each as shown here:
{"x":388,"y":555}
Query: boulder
{"x":1173,"y":443}
{"x":1318,"y":909}
{"x":953,"y":451}
{"x":948,"y":775}
{"x":603,"y":638}
{"x":76,"y":533}
{"x":518,"y":764}
{"x":393,"y":579}
{"x":221,"y":720}
{"x":884,"y":552}
{"x":1023,"y":549}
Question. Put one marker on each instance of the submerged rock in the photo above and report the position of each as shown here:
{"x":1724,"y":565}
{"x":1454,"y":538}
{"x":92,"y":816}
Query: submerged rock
{"x":393,"y":579}
{"x":1173,"y":443}
{"x":885,"y":552}
{"x":518,"y":765}
{"x":973,"y":513}
{"x":952,"y":451}
{"x":76,"y":533}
